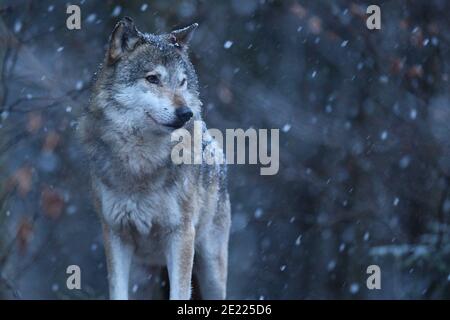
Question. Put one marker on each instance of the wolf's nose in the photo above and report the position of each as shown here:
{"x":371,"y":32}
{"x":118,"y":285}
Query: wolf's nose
{"x":184,"y":114}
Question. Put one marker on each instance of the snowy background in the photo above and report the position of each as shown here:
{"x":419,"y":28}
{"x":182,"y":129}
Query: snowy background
{"x":364,"y":144}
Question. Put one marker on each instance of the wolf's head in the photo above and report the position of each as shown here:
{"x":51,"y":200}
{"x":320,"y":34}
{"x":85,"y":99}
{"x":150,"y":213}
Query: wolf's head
{"x":147,"y":83}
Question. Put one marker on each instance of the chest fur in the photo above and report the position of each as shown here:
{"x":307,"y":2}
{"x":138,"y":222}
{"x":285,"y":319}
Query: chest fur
{"x":139,"y":212}
{"x":137,"y":158}
{"x":141,"y":188}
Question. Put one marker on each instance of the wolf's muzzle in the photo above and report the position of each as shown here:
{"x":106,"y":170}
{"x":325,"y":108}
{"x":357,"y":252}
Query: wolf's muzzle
{"x":184,"y":114}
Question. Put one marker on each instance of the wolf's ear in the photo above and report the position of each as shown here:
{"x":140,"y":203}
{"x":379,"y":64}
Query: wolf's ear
{"x":124,"y":38}
{"x":181,"y":37}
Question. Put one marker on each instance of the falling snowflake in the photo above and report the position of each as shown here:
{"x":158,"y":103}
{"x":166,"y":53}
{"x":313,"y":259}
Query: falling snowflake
{"x":331,"y":265}
{"x":396,"y":201}
{"x":366,"y":236}
{"x":383,"y":79}
{"x":144,"y":7}
{"x":286,"y":127}
{"x":91,"y":18}
{"x":228,"y":44}
{"x":17,"y":26}
{"x":258,"y":213}
{"x":404,"y":162}
{"x":354,"y":288}
{"x":79,"y":85}
{"x":4,"y":115}
{"x":116,"y":12}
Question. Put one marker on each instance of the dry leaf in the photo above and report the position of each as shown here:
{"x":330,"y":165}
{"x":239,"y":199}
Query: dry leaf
{"x":23,"y":180}
{"x":24,"y":233}
{"x":51,"y":141}
{"x":52,"y":203}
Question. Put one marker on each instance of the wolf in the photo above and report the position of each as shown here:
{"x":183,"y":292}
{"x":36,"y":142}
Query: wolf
{"x":151,"y":209}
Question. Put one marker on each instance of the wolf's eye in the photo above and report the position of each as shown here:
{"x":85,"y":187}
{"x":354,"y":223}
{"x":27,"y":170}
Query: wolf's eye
{"x":182,"y":82}
{"x":153,"y":78}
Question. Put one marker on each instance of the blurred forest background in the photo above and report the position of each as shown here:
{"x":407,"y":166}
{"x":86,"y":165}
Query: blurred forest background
{"x":364,"y":144}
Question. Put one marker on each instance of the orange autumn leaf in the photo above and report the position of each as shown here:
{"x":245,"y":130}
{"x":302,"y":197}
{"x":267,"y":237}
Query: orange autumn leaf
{"x":22,"y":178}
{"x":415,"y":71}
{"x":225,"y":94}
{"x":358,"y":10}
{"x":24,"y":234}
{"x":34,"y":122}
{"x":397,"y":65}
{"x":315,"y":25}
{"x":52,"y":203}
{"x":51,"y":141}
{"x":298,"y":10}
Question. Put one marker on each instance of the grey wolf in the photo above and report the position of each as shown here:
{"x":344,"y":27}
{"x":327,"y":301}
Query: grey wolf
{"x":151,"y":209}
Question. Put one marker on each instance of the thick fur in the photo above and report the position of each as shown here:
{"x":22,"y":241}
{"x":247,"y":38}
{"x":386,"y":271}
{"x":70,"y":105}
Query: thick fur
{"x":150,"y":208}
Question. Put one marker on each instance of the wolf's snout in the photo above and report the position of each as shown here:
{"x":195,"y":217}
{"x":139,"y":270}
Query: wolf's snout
{"x":184,"y":114}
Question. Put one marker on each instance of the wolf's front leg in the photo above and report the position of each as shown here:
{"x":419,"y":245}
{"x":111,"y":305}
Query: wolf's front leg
{"x":118,"y":258}
{"x":180,"y":259}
